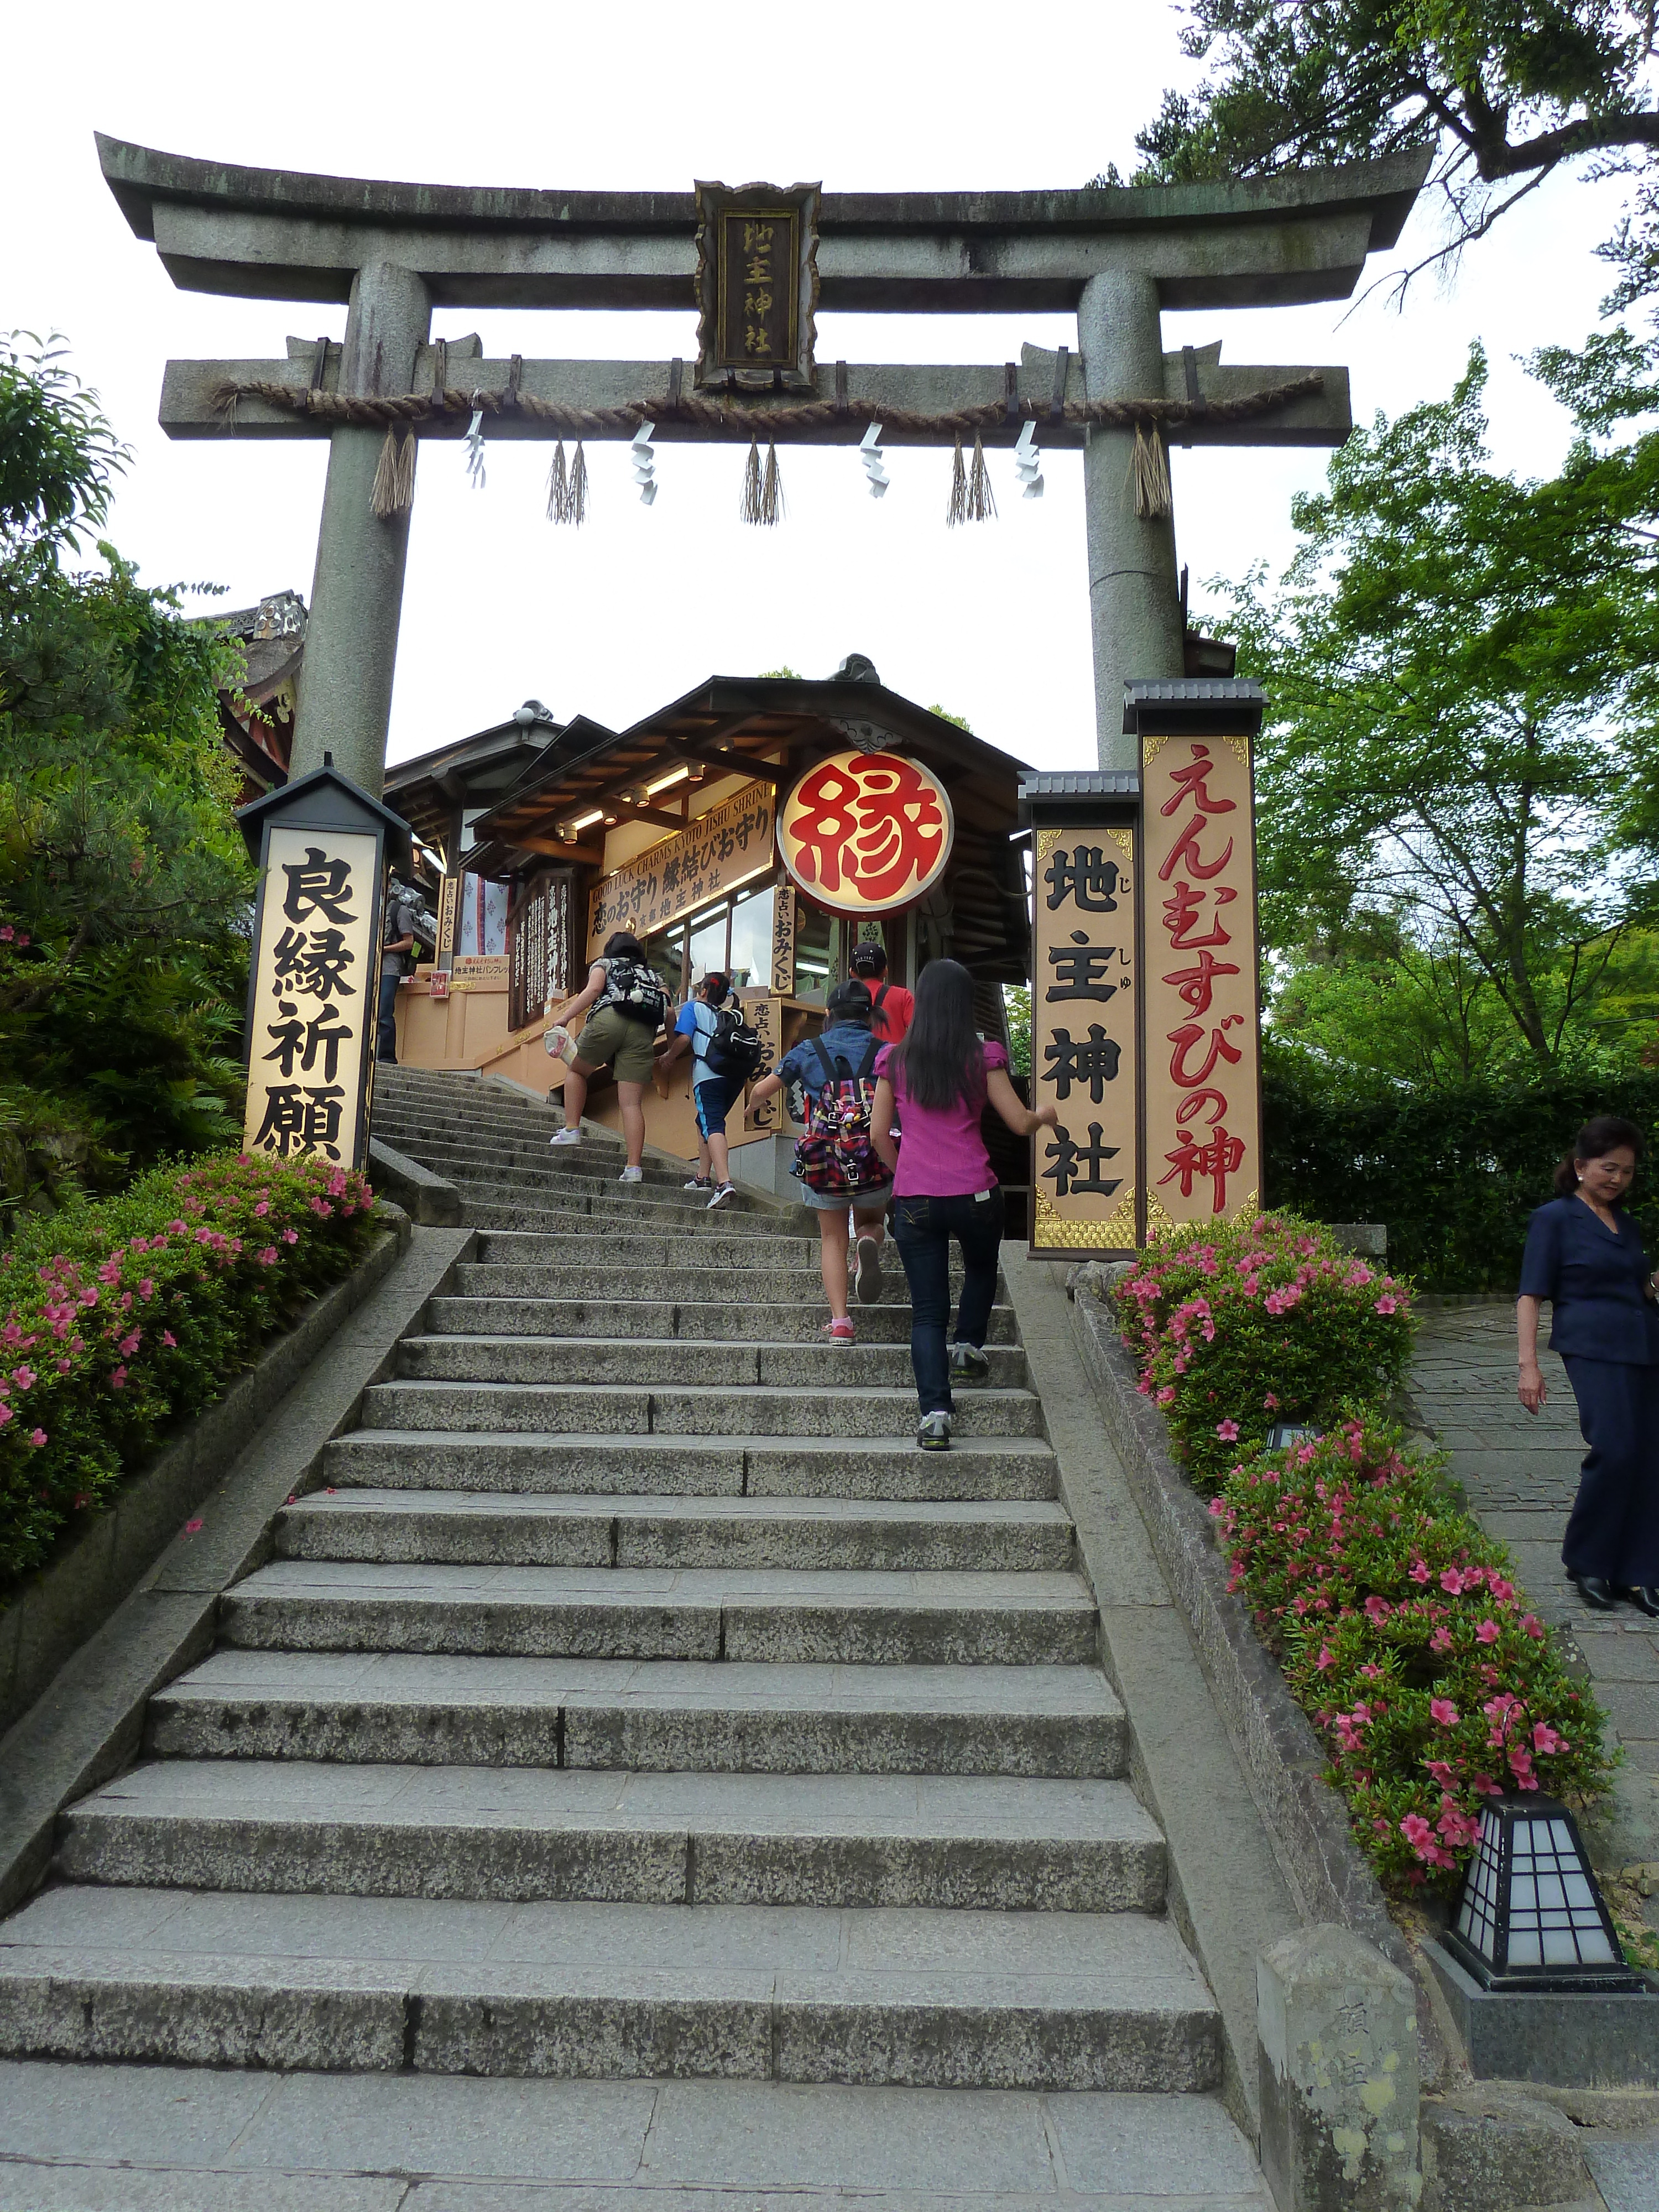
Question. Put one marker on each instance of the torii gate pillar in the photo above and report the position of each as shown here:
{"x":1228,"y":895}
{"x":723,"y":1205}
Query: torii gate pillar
{"x":357,"y":590}
{"x":1133,"y":597}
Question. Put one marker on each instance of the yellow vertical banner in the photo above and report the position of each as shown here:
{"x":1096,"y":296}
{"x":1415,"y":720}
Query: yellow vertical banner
{"x":766,"y":1012}
{"x":1084,"y":1019}
{"x":783,"y":941}
{"x":1203,"y":1054}
{"x":316,"y":983}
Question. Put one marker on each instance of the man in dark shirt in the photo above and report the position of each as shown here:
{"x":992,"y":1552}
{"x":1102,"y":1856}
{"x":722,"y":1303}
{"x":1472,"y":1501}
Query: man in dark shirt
{"x":397,"y":942}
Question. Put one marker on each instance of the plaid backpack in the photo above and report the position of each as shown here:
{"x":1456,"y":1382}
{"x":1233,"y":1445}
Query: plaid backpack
{"x":837,"y":1155}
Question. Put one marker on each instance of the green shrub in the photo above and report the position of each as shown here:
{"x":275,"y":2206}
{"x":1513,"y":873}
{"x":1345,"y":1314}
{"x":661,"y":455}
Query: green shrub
{"x":1402,"y":1635}
{"x":121,"y":1318}
{"x":1454,"y":1169}
{"x":1265,"y":1320}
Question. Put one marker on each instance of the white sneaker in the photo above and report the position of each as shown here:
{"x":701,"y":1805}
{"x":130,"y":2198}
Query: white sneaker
{"x":934,"y":1432}
{"x":699,"y":1182}
{"x":566,"y":1136}
{"x":631,"y":1174}
{"x":723,"y":1196}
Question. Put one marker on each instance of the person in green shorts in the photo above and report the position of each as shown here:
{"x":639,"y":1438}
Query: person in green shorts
{"x":626,"y":1005}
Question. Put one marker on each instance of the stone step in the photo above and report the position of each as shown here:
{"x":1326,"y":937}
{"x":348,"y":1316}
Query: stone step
{"x":681,"y":1716}
{"x":822,"y":1617}
{"x":951,"y":2000}
{"x":559,"y":1168}
{"x":977,"y":1842}
{"x":684,"y":1281}
{"x":684,"y":1410}
{"x":481,"y":1358}
{"x":457,"y":1528}
{"x":489,"y":1205}
{"x":620,"y":1246}
{"x":692,"y":1321}
{"x":690,"y":1467}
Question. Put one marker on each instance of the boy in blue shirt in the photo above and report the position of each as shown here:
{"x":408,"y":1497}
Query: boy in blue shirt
{"x":715,"y":1094}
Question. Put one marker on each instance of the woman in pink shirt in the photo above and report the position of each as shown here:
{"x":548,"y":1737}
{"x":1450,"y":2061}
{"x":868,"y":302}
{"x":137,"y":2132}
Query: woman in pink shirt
{"x":937,"y":1082}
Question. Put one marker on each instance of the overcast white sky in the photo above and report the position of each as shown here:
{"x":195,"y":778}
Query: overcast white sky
{"x":640,"y":604}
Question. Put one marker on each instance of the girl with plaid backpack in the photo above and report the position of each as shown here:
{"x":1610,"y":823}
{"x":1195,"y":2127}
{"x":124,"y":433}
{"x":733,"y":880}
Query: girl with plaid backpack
{"x":836,"y":1164}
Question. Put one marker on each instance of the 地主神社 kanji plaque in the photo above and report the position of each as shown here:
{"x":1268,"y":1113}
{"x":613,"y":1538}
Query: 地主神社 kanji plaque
{"x":756,"y":285}
{"x":866,"y":833}
{"x":315,"y":991}
{"x":1084,"y":1016}
{"x":1203,"y":1081}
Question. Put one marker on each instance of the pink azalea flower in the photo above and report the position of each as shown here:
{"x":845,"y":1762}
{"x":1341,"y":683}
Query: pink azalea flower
{"x":268,"y":1257}
{"x":1270,"y":1404}
{"x":169,"y":1340}
{"x":1441,"y":1769}
{"x":261,"y":1210}
{"x":1441,"y":1640}
{"x":1452,"y":1580}
{"x":1487,"y":1632}
{"x":1226,"y":1430}
{"x":290,"y":1236}
{"x":1420,"y":1571}
{"x":147,"y":1288}
{"x":1327,"y":1658}
{"x":1416,"y":1831}
{"x":37,"y":1437}
{"x":1444,"y":1712}
{"x":22,"y":1376}
{"x":1387,"y":1304}
{"x":1545,"y":1739}
{"x":118,"y":1378}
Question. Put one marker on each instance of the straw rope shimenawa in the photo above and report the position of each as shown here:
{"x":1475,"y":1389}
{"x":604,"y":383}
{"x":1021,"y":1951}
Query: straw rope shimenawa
{"x":792,"y":417}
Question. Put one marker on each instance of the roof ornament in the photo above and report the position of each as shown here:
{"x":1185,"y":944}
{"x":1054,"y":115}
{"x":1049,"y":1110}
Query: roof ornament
{"x":474,"y":442}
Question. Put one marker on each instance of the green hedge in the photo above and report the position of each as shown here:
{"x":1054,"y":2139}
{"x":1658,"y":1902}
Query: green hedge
{"x":121,"y":1318}
{"x":1454,"y":1171}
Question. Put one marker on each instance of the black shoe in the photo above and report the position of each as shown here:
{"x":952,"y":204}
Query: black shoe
{"x":1644,"y":1597}
{"x":1594,"y":1591}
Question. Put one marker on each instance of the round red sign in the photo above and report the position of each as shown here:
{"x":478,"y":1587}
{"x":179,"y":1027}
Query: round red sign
{"x":864,"y":833}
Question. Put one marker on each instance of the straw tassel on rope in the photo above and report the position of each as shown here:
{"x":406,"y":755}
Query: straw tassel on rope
{"x":558,"y":487}
{"x":750,"y":509}
{"x":762,"y":487}
{"x":957,"y":510}
{"x":394,"y":492}
{"x":1150,"y":470}
{"x":982,"y":500}
{"x":576,"y":511}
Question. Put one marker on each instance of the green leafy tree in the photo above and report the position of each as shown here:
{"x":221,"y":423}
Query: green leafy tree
{"x":1501,"y":96}
{"x":1458,"y":772}
{"x":122,"y":881}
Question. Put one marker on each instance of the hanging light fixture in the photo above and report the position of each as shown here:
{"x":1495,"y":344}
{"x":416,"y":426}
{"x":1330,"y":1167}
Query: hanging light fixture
{"x":1531,"y":1915}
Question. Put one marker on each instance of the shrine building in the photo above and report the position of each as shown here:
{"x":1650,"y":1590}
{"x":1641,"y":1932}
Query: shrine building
{"x":897,"y":825}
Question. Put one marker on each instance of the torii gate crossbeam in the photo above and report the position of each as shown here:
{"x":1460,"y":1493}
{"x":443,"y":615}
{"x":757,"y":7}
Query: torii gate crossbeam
{"x":392,"y":252}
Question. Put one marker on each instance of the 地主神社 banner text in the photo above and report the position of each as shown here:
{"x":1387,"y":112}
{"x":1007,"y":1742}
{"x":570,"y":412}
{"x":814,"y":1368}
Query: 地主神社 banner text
{"x":1085,"y":1016}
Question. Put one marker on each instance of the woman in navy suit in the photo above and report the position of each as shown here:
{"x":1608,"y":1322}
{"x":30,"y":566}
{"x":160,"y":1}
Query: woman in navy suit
{"x":1584,"y":1254}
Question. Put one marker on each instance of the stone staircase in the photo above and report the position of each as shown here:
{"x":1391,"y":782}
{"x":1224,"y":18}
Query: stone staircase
{"x":636,"y":1699}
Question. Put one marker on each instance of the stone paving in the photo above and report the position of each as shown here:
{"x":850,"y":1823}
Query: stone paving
{"x":1520,"y":1473}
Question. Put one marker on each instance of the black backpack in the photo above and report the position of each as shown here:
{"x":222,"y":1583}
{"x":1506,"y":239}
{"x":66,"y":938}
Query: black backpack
{"x":734,"y":1049}
{"x":636,"y":992}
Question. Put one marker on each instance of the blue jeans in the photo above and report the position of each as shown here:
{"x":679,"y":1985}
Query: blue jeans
{"x":923,"y":1229}
{"x":386,"y":1034}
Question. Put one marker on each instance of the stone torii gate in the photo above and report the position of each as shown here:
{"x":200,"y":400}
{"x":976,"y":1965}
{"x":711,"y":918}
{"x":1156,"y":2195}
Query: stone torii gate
{"x":393,"y":251}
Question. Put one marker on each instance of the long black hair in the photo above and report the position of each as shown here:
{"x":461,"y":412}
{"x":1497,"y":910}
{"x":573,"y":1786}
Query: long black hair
{"x":1601,"y":1134}
{"x":942,"y":1059}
